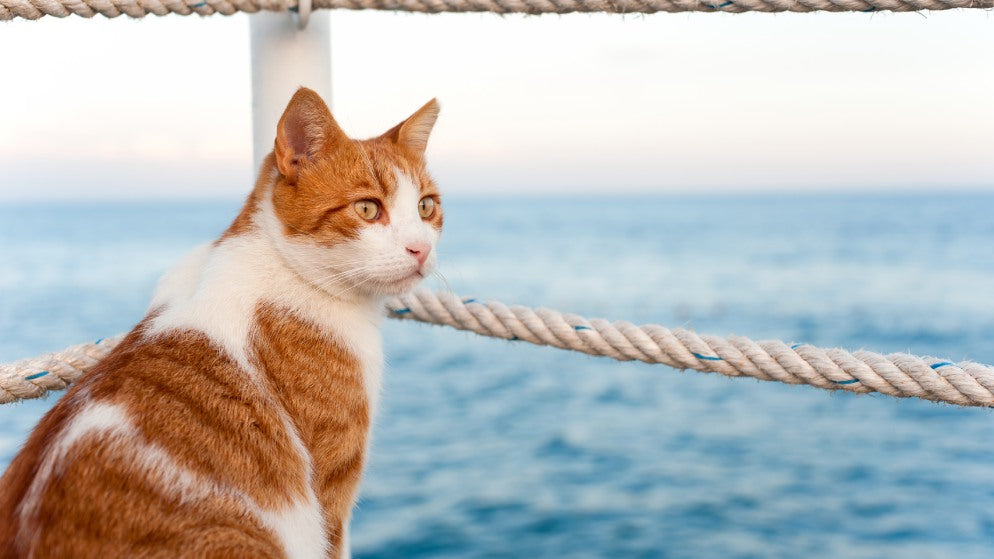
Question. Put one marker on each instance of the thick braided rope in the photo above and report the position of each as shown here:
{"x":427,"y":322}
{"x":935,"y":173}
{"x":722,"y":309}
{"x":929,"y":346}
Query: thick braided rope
{"x":901,"y":375}
{"x":34,"y":9}
{"x":898,"y":374}
{"x":34,"y":377}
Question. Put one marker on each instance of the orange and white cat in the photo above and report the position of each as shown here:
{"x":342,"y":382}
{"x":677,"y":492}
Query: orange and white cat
{"x":234,"y":420}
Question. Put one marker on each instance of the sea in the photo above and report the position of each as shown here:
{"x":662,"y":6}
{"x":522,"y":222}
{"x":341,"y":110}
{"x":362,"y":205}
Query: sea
{"x":489,"y":448}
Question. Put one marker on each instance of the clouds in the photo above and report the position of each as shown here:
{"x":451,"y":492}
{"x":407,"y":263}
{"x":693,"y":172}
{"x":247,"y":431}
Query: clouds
{"x":599,"y":103}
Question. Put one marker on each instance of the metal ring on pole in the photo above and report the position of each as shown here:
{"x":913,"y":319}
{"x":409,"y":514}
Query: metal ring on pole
{"x":303,"y":13}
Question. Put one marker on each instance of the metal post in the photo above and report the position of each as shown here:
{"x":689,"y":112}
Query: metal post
{"x":287,"y":53}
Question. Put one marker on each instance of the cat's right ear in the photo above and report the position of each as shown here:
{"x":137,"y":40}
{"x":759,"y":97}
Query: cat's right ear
{"x":305,"y":130}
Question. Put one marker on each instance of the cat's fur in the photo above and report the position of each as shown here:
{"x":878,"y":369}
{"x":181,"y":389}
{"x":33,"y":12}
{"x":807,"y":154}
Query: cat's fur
{"x":234,"y":420}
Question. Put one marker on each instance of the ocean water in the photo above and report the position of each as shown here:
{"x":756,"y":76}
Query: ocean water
{"x":488,"y":448}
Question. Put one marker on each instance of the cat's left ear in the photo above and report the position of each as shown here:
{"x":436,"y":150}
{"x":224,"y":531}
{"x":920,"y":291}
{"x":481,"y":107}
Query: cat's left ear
{"x":305,"y":131}
{"x":413,"y":133}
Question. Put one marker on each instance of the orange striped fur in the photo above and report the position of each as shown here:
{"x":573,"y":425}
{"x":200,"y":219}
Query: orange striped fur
{"x":234,"y":420}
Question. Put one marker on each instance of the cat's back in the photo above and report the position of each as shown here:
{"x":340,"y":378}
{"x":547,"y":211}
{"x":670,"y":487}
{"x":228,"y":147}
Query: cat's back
{"x":163,"y":450}
{"x":231,"y":422}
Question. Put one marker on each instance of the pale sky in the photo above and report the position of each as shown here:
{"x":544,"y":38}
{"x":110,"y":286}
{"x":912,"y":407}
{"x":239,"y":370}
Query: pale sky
{"x":160,"y":107}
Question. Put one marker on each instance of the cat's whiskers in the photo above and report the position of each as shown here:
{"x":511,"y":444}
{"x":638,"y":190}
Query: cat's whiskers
{"x":383,"y":284}
{"x":445,"y":283}
{"x":340,"y":276}
{"x":354,"y":286}
{"x":348,"y":275}
{"x":345,"y":265}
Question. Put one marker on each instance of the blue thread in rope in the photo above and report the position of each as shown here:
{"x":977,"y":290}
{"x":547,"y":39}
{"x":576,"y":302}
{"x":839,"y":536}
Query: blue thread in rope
{"x":708,"y":357}
{"x":852,"y":381}
{"x":942,"y":364}
{"x":468,"y":301}
{"x":36,"y":375}
{"x":795,"y":346}
{"x":722,"y":5}
{"x":98,"y":341}
{"x":581,"y":328}
{"x":870,"y":9}
{"x":404,"y":310}
{"x":515,"y":338}
{"x":198,"y":5}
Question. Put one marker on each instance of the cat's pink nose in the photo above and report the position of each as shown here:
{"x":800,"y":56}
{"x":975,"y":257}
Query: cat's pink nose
{"x":419,"y":251}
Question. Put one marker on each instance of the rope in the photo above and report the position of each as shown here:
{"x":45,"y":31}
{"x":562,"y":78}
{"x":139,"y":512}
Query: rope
{"x":35,"y":377}
{"x":900,"y":375}
{"x":34,"y":9}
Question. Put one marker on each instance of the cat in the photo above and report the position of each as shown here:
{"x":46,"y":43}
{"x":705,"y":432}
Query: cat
{"x":234,"y":420}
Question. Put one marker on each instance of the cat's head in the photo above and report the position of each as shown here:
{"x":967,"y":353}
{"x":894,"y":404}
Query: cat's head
{"x":355,"y":217}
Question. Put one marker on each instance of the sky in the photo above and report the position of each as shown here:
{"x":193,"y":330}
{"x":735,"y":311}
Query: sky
{"x":593,"y":104}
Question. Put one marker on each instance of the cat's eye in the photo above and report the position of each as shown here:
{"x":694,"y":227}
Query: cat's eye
{"x":426,"y":207}
{"x":367,"y":209}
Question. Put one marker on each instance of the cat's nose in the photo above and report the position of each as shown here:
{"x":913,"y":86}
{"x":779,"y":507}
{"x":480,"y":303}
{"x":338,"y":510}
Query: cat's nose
{"x":419,"y":251}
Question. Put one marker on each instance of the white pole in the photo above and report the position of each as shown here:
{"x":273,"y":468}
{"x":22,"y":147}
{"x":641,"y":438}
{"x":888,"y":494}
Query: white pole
{"x":285,"y":57}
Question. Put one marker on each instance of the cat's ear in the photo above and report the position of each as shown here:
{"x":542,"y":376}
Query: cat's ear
{"x":413,"y":132}
{"x":305,"y":130}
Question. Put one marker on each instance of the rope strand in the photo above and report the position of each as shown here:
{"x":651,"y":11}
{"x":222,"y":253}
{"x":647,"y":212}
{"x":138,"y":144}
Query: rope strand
{"x":35,"y":9}
{"x":899,"y":375}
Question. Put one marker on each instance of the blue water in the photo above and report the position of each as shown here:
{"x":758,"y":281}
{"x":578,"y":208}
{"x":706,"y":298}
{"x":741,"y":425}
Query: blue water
{"x":488,"y":448}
